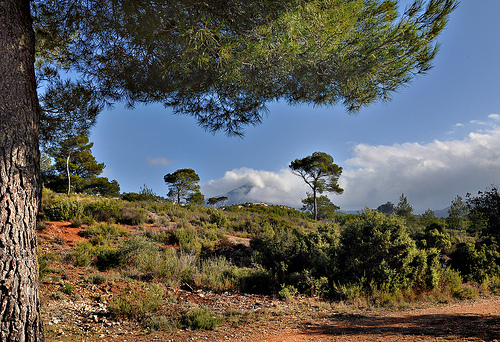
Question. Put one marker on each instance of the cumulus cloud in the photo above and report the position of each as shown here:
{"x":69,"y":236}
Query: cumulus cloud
{"x":495,"y":117}
{"x":281,"y":187}
{"x":430,"y":175}
{"x":158,"y":161}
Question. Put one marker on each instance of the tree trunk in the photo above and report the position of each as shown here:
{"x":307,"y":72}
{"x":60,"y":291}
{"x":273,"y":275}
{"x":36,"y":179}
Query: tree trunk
{"x":67,"y":173}
{"x":19,"y":176}
{"x":315,"y":205}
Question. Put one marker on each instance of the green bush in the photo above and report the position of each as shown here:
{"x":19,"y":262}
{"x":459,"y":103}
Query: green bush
{"x":492,"y":284}
{"x":161,"y":322}
{"x":107,"y":258}
{"x":76,"y":222}
{"x":215,"y":274}
{"x":63,"y":210}
{"x":476,"y":261}
{"x":136,"y":302}
{"x":102,"y":257}
{"x":376,"y":251}
{"x":450,"y":281}
{"x":287,"y":292}
{"x":83,"y":253}
{"x":132,"y":248}
{"x":96,"y":279}
{"x":104,"y":210}
{"x":132,"y":197}
{"x":132,"y":216}
{"x":67,"y":288}
{"x":348,"y":291}
{"x":169,"y":265}
{"x":217,"y":217}
{"x":254,"y":280}
{"x":104,"y":232}
{"x":288,"y":253}
{"x":188,"y":240}
{"x":199,"y":318}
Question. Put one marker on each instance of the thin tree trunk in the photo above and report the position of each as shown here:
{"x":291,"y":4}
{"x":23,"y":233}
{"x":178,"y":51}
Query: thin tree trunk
{"x":20,"y":186}
{"x":315,"y":205}
{"x":67,"y":173}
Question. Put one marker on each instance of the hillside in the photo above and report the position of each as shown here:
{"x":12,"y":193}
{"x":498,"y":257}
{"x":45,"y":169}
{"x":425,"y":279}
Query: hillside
{"x":83,"y":315}
{"x":113,"y":270}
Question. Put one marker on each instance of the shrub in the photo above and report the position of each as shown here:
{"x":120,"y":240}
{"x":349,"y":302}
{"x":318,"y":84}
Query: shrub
{"x":347,"y":291}
{"x":217,"y":217}
{"x":67,"y":288}
{"x":287,"y":292}
{"x":104,"y":210}
{"x":199,"y":318}
{"x":83,"y":253}
{"x":168,"y":265}
{"x":102,"y":257}
{"x":188,"y":240}
{"x":215,"y":274}
{"x":313,"y":286}
{"x":155,"y":323}
{"x":76,"y":222}
{"x":107,"y":258}
{"x":132,"y":197}
{"x":96,"y":279}
{"x":476,"y":261}
{"x":104,"y":232}
{"x":492,"y":284}
{"x":132,"y":216}
{"x":377,"y":250}
{"x":63,"y":209}
{"x":287,"y":253}
{"x":136,"y":302}
{"x":254,"y":280}
{"x":450,"y":281}
{"x":132,"y":248}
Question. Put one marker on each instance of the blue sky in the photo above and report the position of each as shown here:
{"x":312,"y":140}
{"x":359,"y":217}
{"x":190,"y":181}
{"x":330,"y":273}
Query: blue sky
{"x":438,"y":138}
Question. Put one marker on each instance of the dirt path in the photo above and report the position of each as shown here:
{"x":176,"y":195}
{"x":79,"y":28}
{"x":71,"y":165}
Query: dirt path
{"x":476,"y":321}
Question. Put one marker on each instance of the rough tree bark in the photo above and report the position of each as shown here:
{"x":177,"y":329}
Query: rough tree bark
{"x":20,"y":186}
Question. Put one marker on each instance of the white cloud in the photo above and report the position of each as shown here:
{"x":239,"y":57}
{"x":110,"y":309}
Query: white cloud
{"x":430,"y":175}
{"x":158,"y":161}
{"x":495,"y":117}
{"x":281,"y":187}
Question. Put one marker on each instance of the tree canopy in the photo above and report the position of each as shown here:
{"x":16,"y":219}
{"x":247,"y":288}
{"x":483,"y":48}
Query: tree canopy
{"x":183,"y":184}
{"x":213,"y":201}
{"x":223,"y":61}
{"x":484,"y":210}
{"x":403,"y":208}
{"x":75,"y":163}
{"x":320,"y":173}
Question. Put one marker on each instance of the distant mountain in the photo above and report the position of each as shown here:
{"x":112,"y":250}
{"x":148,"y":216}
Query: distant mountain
{"x":351,"y":211}
{"x":238,"y":195}
{"x":441,"y":213}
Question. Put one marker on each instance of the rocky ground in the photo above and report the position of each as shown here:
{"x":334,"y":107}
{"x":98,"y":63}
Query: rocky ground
{"x":82,"y":315}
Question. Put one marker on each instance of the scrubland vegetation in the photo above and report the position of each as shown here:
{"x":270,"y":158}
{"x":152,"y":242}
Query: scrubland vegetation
{"x":379,"y":259}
